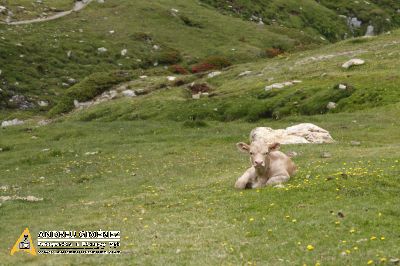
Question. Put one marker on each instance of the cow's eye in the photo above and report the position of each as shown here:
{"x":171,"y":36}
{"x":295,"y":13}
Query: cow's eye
{"x":251,"y":153}
{"x":265,"y":153}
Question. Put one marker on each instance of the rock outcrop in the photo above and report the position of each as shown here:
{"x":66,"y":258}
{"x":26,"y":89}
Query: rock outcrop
{"x":304,"y":133}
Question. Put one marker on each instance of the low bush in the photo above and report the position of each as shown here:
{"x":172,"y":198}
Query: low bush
{"x":210,"y":63}
{"x":178,"y":69}
{"x":89,"y":88}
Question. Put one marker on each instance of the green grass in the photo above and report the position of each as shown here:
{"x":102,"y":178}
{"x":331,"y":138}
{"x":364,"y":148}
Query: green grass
{"x":174,"y":184}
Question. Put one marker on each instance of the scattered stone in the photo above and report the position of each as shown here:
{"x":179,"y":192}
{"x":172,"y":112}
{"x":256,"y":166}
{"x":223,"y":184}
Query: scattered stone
{"x":100,"y":1}
{"x":299,"y":134}
{"x":46,"y":150}
{"x":21,"y":102}
{"x":156,"y":47}
{"x":353,"y":62}
{"x":214,"y":74}
{"x":129,"y":93}
{"x":282,"y":85}
{"x":4,"y":188}
{"x":342,"y":87}
{"x":326,"y":154}
{"x":43,"y":103}
{"x":331,"y":105}
{"x":355,"y":143}
{"x":354,"y":22}
{"x":340,"y":214}
{"x":292,"y":154}
{"x":279,"y":186}
{"x":28,"y":198}
{"x":102,"y":50}
{"x":370,"y":31}
{"x":124,"y":52}
{"x":65,"y":85}
{"x":171,"y":78}
{"x":245,"y":73}
{"x":69,"y":53}
{"x":196,"y":96}
{"x":43,"y":123}
{"x":91,"y":153}
{"x":71,"y":81}
{"x":14,"y":122}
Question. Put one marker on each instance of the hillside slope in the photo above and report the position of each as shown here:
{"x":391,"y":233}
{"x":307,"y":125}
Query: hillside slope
{"x":239,"y":92}
{"x":40,"y":60}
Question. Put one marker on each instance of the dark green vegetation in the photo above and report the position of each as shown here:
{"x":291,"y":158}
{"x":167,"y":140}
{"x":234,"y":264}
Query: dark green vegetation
{"x":317,"y":16}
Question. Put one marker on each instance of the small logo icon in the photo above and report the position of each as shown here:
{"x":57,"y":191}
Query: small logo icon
{"x":24,"y":243}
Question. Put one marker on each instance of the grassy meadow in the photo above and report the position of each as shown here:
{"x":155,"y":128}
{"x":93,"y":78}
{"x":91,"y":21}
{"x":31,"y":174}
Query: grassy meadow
{"x":169,"y":189}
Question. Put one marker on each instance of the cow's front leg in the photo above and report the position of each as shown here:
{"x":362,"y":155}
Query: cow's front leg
{"x":245,"y":180}
{"x":261,"y":182}
{"x":278,"y":179}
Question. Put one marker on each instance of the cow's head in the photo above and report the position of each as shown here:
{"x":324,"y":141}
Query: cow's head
{"x":259,"y":152}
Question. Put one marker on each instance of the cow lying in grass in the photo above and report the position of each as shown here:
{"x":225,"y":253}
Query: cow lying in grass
{"x":269,"y":165}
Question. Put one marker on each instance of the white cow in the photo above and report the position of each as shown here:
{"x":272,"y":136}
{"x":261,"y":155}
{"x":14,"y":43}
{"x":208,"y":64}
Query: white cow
{"x":269,"y":165}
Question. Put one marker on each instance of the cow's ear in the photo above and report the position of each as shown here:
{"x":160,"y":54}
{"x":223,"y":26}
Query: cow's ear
{"x":243,"y":147}
{"x":274,"y":146}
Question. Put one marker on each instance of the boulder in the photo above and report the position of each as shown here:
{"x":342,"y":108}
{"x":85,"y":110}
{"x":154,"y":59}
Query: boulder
{"x":102,"y":50}
{"x":124,"y":52}
{"x":245,"y":73}
{"x":43,"y":103}
{"x":128,"y":93}
{"x":370,"y":31}
{"x":282,"y":85}
{"x":353,"y":62}
{"x":299,"y":134}
{"x":331,"y":105}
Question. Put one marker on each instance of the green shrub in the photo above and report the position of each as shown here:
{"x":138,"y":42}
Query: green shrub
{"x":169,"y":57}
{"x":89,"y":88}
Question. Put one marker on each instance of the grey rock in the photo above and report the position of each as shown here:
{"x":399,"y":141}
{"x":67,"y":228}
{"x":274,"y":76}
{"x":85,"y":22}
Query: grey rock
{"x":355,"y":143}
{"x":326,"y":154}
{"x":128,"y":93}
{"x":331,"y":105}
{"x":14,"y":122}
{"x":43,"y":103}
{"x":353,"y":62}
{"x":102,"y":50}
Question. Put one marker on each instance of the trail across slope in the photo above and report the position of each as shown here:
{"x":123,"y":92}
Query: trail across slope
{"x":79,"y":5}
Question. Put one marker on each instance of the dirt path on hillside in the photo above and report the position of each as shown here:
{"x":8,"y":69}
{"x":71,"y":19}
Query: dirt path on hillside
{"x":79,"y":5}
